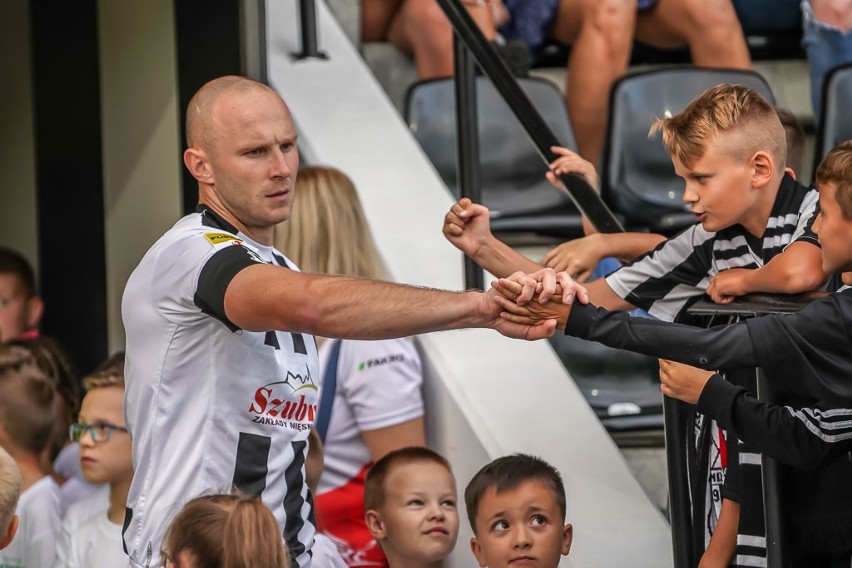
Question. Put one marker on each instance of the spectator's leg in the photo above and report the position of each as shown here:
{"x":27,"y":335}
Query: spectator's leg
{"x":827,"y":39}
{"x":710,"y":28}
{"x":376,"y":17}
{"x":601,"y":34}
{"x":421,"y":29}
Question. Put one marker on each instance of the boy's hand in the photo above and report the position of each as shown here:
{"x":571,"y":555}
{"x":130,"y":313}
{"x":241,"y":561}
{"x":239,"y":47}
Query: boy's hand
{"x":727,"y":285}
{"x":467,"y":226}
{"x":491,"y":307}
{"x":681,"y":381}
{"x":577,"y":257}
{"x":553,"y":294}
{"x":570,"y":162}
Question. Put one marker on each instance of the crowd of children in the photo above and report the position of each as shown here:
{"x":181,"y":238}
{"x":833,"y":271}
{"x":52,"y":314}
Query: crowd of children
{"x":65,"y":459}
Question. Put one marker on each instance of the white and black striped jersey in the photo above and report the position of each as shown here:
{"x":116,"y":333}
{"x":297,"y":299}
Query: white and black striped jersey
{"x":211,"y":406}
{"x":665,"y":281}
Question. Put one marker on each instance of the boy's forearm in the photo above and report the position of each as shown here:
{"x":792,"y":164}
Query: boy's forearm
{"x":629,"y":246}
{"x":798,"y":269}
{"x":501,"y":260}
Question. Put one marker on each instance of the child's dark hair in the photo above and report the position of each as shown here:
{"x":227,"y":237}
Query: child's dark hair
{"x":508,"y":473}
{"x":13,"y":262}
{"x":374,"y":494}
{"x":226,"y":531}
{"x":836,"y":168}
{"x":796,"y":138}
{"x":27,"y":412}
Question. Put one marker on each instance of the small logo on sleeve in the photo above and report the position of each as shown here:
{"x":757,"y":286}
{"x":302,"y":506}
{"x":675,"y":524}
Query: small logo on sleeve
{"x":219,"y":238}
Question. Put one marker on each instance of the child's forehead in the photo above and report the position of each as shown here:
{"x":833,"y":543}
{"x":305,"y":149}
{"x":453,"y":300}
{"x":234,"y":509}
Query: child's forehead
{"x":413,"y":473}
{"x":529,"y":492}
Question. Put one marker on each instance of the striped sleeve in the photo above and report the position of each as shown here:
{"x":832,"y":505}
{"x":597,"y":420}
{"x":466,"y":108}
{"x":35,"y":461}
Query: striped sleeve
{"x":805,"y":438}
{"x":664,"y":280}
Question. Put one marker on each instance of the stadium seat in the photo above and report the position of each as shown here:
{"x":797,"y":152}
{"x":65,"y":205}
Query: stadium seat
{"x":835,"y":124}
{"x":511,"y":171}
{"x":637,"y":178}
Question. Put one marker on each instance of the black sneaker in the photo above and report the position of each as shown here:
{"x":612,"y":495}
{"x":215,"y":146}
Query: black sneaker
{"x":517,"y":56}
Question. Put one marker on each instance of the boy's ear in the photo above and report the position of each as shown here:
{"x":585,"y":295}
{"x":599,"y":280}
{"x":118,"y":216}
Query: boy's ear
{"x":567,"y":538}
{"x":763,"y":168}
{"x":35,"y":309}
{"x":10,"y":533}
{"x":476,"y":548}
{"x":375,"y":524}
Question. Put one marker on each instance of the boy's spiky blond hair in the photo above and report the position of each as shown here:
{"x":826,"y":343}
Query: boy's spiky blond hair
{"x":725,"y":108}
{"x":836,"y":168}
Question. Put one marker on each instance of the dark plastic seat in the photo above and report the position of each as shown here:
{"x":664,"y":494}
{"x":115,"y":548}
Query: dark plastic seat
{"x":511,"y":171}
{"x":638,"y":178}
{"x":835,"y":124}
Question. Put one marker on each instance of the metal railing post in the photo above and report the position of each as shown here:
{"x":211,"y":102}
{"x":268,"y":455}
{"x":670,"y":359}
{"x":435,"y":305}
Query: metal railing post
{"x":680,"y":511}
{"x":776,"y":545}
{"x":467,"y":146}
{"x":308,"y":28}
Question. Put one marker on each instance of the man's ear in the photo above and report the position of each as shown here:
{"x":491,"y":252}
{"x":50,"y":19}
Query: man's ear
{"x":10,"y":533}
{"x":763,"y":168}
{"x":35,"y":309}
{"x":198,"y":164}
{"x":476,"y":548}
{"x":375,"y":524}
{"x":567,"y":538}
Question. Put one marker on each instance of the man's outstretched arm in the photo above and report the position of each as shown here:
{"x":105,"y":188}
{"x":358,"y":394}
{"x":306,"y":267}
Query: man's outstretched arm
{"x":264,"y":297}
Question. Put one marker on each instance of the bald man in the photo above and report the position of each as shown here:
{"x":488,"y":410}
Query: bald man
{"x":221,"y":364}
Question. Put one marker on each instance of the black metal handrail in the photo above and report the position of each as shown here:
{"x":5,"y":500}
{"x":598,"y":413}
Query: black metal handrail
{"x":587,"y":200}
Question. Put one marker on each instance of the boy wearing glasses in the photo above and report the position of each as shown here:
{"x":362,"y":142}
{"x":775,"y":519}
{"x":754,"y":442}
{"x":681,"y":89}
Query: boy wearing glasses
{"x":91,"y":530}
{"x":26,"y":420}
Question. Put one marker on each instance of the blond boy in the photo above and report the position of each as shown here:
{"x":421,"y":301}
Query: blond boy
{"x":10,"y":492}
{"x":410,"y":502}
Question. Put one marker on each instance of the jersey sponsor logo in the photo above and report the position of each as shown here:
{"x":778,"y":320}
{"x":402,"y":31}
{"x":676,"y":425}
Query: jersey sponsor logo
{"x":378,"y":362}
{"x":275,"y":403}
{"x":218,"y":238}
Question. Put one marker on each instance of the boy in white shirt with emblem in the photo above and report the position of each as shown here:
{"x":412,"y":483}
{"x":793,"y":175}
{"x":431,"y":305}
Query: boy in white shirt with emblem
{"x":91,"y":531}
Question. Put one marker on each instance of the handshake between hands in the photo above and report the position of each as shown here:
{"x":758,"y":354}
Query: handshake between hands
{"x":535,"y":298}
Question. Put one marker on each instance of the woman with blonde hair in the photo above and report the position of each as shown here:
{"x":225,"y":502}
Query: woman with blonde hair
{"x":225,"y":531}
{"x":370,"y":400}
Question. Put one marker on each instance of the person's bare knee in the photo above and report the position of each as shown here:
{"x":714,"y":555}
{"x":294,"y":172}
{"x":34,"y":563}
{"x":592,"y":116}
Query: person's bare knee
{"x":422,"y":29}
{"x":612,"y":23}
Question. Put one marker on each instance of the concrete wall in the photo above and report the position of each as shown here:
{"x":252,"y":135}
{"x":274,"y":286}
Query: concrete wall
{"x":141,"y":146}
{"x":17,"y":167}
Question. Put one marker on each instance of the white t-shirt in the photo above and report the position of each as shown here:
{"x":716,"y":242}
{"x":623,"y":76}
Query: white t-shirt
{"x":210,"y":406}
{"x":76,"y":516}
{"x":34,"y":545}
{"x":325,"y":553}
{"x":378,"y":386}
{"x":96,"y":544}
{"x":75,"y":488}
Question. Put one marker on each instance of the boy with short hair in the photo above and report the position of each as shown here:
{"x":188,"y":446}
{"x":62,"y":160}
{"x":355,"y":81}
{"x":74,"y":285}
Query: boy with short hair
{"x":26,"y":420}
{"x":729,"y":146}
{"x":516,"y":508}
{"x":20,"y":306}
{"x":10,"y":492}
{"x":91,"y":531}
{"x":806,"y":359}
{"x":410,"y":502}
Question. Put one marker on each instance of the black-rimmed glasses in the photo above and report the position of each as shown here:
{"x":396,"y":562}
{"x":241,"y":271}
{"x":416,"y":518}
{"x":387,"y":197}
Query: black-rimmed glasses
{"x":100,"y":432}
